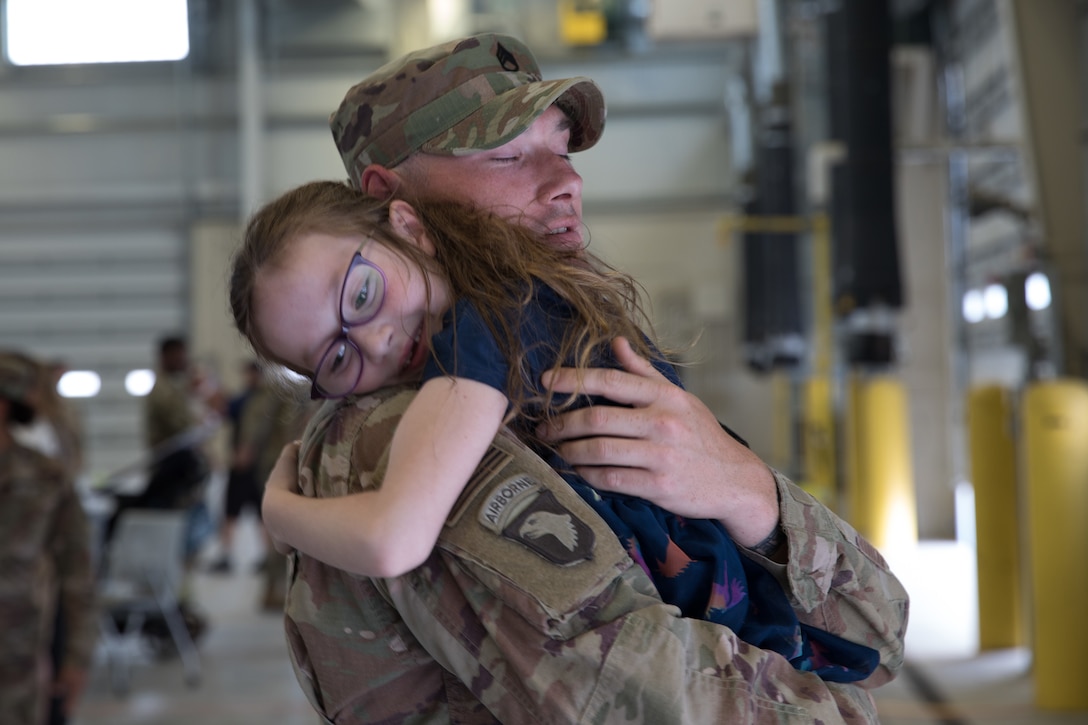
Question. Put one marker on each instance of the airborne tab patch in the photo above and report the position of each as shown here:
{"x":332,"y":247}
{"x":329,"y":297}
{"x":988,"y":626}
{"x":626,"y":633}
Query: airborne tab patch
{"x":506,"y":499}
{"x":523,"y":511}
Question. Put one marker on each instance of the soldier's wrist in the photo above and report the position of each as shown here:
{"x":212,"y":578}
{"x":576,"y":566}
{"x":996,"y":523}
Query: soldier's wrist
{"x":772,"y":544}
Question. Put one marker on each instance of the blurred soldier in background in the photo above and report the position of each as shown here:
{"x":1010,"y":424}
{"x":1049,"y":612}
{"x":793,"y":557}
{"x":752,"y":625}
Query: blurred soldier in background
{"x":46,"y":564}
{"x":180,"y":414}
{"x":56,"y":432}
{"x":271,"y":418}
{"x":173,"y":424}
{"x":243,"y":488}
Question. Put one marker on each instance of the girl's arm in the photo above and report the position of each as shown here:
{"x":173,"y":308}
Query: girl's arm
{"x":388,"y":531}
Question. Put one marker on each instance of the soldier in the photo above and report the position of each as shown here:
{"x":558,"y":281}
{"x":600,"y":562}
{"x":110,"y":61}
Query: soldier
{"x":173,"y":416}
{"x":483,"y":632}
{"x":479,"y":307}
{"x":243,"y":487}
{"x":45,"y":557}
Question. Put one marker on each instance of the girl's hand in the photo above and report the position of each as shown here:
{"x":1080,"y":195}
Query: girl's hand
{"x":284,"y":475}
{"x":279,"y":489}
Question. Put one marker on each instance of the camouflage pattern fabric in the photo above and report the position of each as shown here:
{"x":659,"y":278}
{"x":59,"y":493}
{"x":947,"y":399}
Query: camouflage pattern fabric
{"x":270,"y":420}
{"x":44,"y":546}
{"x":16,"y":376}
{"x":168,"y":408}
{"x":530,"y":611}
{"x":463,"y":96}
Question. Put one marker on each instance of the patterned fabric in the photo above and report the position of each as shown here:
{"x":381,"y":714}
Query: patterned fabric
{"x":491,"y":630}
{"x":693,"y":562}
{"x":463,"y":96}
{"x":44,"y":548}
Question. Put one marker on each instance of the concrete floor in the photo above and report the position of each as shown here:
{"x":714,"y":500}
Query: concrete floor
{"x":247,"y":679}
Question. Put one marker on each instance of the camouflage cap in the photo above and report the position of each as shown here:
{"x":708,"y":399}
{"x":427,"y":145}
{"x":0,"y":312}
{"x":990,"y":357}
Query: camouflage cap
{"x":467,"y":95}
{"x":16,"y":376}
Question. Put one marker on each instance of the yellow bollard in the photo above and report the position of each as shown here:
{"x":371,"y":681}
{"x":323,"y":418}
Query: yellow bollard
{"x":997,"y":525}
{"x":582,"y":22}
{"x":881,"y":483}
{"x":1055,"y":426}
{"x":782,"y":410}
{"x":818,"y":441}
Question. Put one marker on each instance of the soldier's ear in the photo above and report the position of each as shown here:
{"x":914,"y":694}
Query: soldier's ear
{"x":406,"y":224}
{"x":379,"y":182}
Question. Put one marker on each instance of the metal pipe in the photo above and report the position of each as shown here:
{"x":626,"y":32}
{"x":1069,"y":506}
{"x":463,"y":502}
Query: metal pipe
{"x":250,"y":110}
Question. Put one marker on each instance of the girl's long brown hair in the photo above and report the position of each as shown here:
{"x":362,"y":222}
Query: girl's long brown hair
{"x":490,"y":262}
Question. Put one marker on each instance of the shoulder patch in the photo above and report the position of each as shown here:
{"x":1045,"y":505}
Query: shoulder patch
{"x":522,"y":510}
{"x":505,"y":500}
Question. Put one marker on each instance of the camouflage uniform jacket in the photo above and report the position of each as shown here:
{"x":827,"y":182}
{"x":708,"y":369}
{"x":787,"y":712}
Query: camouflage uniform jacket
{"x":513,"y":620}
{"x":44,"y":548}
{"x":168,"y":408}
{"x":269,"y":421}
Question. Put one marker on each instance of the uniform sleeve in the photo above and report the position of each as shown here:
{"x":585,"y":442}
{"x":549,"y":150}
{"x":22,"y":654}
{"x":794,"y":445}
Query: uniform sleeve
{"x":75,"y":579}
{"x":541,"y":636}
{"x":838,"y":582}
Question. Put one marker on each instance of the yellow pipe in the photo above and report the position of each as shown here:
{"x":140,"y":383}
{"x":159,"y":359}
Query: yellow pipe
{"x":851,"y":463}
{"x":818,"y":441}
{"x":997,"y":526}
{"x":782,"y":440}
{"x":822,"y":332}
{"x":582,"y":23}
{"x":881,"y":485}
{"x":1055,"y":425}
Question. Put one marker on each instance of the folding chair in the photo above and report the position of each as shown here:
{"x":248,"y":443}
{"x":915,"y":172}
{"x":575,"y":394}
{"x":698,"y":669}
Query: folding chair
{"x":144,"y":566}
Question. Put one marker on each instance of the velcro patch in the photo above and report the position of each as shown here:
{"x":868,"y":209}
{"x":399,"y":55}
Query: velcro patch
{"x":506,"y":499}
{"x":523,"y":511}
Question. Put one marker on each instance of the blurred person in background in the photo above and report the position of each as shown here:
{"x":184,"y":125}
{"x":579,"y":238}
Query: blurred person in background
{"x":180,"y":413}
{"x":56,"y":432}
{"x":243,"y":488}
{"x":271,"y":419}
{"x":45,"y":556}
{"x":265,"y":417}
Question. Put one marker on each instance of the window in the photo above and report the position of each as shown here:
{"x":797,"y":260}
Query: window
{"x":58,"y":32}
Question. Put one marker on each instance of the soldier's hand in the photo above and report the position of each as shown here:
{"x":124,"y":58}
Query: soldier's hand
{"x":667,"y":447}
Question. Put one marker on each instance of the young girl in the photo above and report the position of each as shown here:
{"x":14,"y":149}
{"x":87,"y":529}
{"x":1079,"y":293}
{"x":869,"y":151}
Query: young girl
{"x":358,"y":294}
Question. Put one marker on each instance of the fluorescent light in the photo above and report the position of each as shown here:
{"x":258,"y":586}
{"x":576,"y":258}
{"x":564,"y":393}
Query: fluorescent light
{"x":1037,"y":291}
{"x":995,"y":298}
{"x":140,"y":382}
{"x":79,"y":384}
{"x":974,"y":310}
{"x":59,"y":32}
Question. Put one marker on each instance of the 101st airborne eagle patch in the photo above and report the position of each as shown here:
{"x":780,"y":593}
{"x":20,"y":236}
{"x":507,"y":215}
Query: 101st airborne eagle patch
{"x":522,"y":510}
